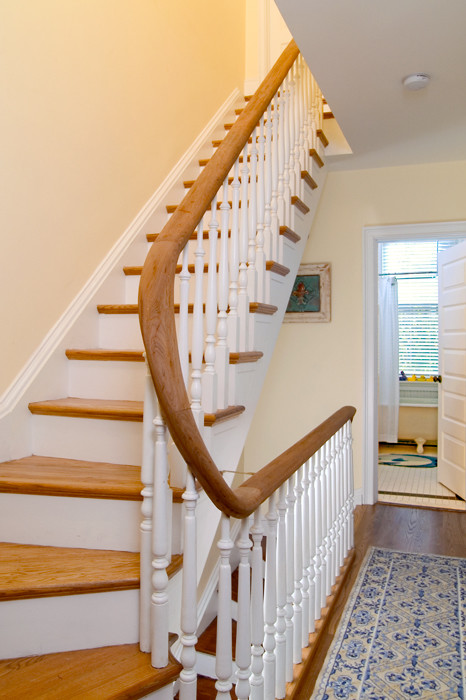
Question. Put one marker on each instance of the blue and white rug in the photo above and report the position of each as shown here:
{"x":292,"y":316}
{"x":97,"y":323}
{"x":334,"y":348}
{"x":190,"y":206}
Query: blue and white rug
{"x":407,"y":460}
{"x":402,"y":634}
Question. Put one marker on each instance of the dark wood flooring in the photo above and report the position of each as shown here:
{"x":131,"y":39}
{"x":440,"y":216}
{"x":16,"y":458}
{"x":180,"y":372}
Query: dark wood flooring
{"x":395,"y":527}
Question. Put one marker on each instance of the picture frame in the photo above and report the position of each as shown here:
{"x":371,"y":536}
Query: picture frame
{"x":310,"y":299}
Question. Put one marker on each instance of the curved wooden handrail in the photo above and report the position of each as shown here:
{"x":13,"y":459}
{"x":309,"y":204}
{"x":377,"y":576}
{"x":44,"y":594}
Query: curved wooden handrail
{"x":156,"y":301}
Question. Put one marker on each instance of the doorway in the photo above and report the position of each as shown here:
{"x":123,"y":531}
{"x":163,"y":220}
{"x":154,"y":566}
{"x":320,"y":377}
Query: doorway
{"x":372,"y":236}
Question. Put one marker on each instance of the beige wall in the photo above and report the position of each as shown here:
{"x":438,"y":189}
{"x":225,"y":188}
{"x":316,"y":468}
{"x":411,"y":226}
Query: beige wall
{"x":100,"y":98}
{"x":318,"y":368}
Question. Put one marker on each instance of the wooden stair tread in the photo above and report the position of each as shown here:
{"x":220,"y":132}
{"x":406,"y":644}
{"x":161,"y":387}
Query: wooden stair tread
{"x":32,"y":571}
{"x":240,"y":358}
{"x":308,"y":179}
{"x":107,"y":673}
{"x":299,"y":204}
{"x":114,"y":409}
{"x":57,"y":476}
{"x":315,"y":156}
{"x":288,"y":233}
{"x":106,"y":355}
{"x":254,"y":307}
{"x":322,"y":138}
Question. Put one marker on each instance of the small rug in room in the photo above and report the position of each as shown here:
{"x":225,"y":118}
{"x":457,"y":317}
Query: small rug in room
{"x":402,"y":632}
{"x":408,"y":460}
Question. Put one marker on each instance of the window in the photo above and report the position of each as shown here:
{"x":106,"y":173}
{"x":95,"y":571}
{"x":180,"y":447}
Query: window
{"x":414,"y":264}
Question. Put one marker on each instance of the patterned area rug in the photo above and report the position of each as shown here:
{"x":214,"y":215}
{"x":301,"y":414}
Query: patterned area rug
{"x":408,"y":460}
{"x":402,"y":633}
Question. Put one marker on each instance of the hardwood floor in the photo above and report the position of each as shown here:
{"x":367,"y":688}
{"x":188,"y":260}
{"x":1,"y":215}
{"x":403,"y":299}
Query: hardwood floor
{"x":395,"y":527}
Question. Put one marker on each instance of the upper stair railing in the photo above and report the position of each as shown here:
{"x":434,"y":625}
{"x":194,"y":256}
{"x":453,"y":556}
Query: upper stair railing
{"x":242,"y":204}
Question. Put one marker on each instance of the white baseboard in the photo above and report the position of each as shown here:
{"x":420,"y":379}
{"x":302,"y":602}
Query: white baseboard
{"x":358,"y":497}
{"x":24,"y":379}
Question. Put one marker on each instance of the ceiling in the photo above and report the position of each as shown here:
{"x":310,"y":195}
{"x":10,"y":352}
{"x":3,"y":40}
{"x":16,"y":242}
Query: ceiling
{"x":359,"y":52}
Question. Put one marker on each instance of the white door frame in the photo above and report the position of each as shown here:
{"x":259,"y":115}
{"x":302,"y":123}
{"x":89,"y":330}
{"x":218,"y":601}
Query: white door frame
{"x":372,"y":235}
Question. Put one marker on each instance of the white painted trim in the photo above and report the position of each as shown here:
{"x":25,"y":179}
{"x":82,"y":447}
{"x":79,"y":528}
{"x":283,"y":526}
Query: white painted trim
{"x":17,"y":388}
{"x":358,"y":497}
{"x":372,"y":235}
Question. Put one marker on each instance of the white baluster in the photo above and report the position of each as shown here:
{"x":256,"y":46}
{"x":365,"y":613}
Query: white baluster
{"x":197,"y":331}
{"x":183,"y":344}
{"x":303,"y":137}
{"x":328,"y":519}
{"x":318,"y":501}
{"x":292,"y":128}
{"x":324,"y":512}
{"x":147,"y":479}
{"x":340,"y":501}
{"x":223,"y":662}
{"x":280,"y":626}
{"x":290,"y":501}
{"x":268,"y":247}
{"x":243,"y":626}
{"x":260,"y":252}
{"x":257,"y":610}
{"x":188,"y":676}
{"x":297,"y":131}
{"x":286,"y":154}
{"x":209,"y":379}
{"x":275,"y":224}
{"x":159,"y":599}
{"x":233,"y":318}
{"x":346,"y":507}
{"x":306,"y":550}
{"x":270,"y":600}
{"x":312,"y":543}
{"x":333,"y":495}
{"x":222,"y":355}
{"x":281,"y":207}
{"x":243,"y":300}
{"x":252,"y":267}
{"x":298,"y":570}
{"x":314,"y":121}
{"x":351,"y":484}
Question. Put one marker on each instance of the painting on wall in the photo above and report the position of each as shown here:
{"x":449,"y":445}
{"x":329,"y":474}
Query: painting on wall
{"x":310,"y":296}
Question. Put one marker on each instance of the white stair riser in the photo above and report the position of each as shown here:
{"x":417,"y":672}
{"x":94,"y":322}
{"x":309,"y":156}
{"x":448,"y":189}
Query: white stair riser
{"x":113,"y":441}
{"x":64,"y":623}
{"x":96,"y":379}
{"x":88,"y":523}
{"x":120,"y":332}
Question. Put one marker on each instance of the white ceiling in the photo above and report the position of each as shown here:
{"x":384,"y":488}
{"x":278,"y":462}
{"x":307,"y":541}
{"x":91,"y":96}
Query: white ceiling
{"x":360,"y":50}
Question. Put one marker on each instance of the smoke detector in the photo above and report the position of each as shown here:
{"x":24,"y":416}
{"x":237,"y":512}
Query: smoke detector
{"x":416,"y":81}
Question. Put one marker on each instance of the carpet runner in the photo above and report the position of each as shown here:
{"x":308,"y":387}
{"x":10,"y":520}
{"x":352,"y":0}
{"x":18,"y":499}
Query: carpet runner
{"x":402,"y":633}
{"x":408,"y":460}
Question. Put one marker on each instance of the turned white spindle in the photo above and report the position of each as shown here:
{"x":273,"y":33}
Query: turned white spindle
{"x":275,"y":224}
{"x":303,"y":135}
{"x":351,"y":484}
{"x":312,"y":542}
{"x":243,"y":623}
{"x":257,"y":610}
{"x":159,"y":598}
{"x":233,"y":318}
{"x":286,"y":154}
{"x":290,"y":515}
{"x":280,"y":625}
{"x":268,"y":246}
{"x":292,"y":129}
{"x":323,"y":512}
{"x":333,"y":509}
{"x":298,"y":166}
{"x":314,"y":120}
{"x":252,"y":266}
{"x":317,"y":503}
{"x":222,"y":356}
{"x":197,"y":343}
{"x":243,"y":299}
{"x":209,"y":378}
{"x":298,"y":570}
{"x":306,"y":553}
{"x":147,"y":479}
{"x":346,"y":533}
{"x":270,"y":600}
{"x":188,"y":623}
{"x":340,"y":482}
{"x":281,"y":208}
{"x":328,"y":524}
{"x":183,"y":343}
{"x":260,"y":240}
{"x":223,"y":662}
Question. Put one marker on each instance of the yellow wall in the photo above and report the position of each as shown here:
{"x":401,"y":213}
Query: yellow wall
{"x":99,"y":100}
{"x":317,"y":368}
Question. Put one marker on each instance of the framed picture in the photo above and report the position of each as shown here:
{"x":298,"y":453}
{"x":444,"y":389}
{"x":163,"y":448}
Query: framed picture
{"x":310,"y":296}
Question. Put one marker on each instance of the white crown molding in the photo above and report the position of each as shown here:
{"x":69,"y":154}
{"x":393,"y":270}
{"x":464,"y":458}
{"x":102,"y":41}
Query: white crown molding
{"x":26,"y":376}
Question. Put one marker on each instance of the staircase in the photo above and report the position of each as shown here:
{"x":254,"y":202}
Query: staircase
{"x":70,"y":513}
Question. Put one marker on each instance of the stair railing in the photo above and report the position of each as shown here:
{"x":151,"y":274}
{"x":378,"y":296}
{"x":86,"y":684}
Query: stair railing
{"x":240,"y":202}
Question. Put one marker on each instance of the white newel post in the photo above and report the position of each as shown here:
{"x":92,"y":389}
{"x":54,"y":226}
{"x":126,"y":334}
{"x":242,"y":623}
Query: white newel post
{"x":188,"y":676}
{"x":223,"y":664}
{"x":243,"y":624}
{"x":160,"y":538}
{"x":257,"y":610}
{"x":147,"y":479}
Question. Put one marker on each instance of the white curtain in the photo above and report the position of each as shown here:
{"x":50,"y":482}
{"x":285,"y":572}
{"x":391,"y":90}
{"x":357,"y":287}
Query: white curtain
{"x":389,"y":397}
